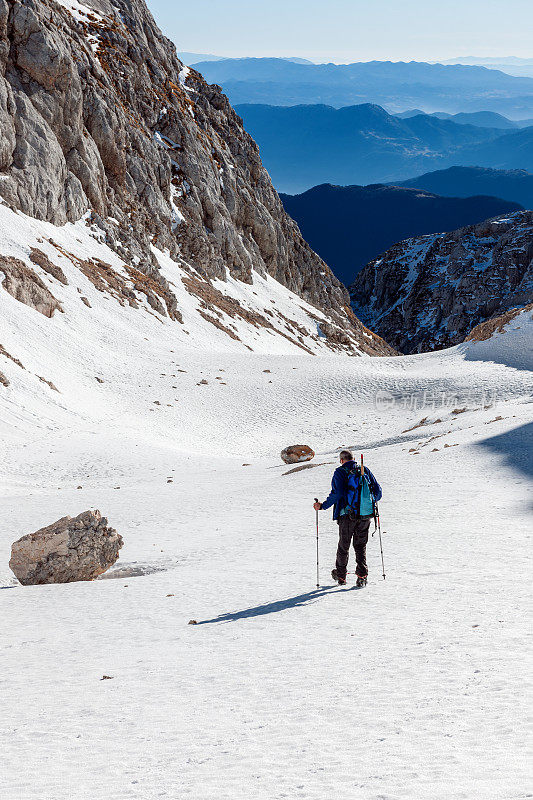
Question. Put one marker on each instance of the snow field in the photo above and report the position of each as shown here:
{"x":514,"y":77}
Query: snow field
{"x":415,"y":688}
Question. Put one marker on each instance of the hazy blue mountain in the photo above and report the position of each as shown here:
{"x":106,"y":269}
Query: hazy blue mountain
{"x":302,"y":146}
{"x":482,"y":119}
{"x":521,"y":67}
{"x":297,"y":60}
{"x":514,"y":185}
{"x":510,"y":151}
{"x":396,"y":85}
{"x":410,"y":112}
{"x":350,"y":225}
{"x":193,"y":58}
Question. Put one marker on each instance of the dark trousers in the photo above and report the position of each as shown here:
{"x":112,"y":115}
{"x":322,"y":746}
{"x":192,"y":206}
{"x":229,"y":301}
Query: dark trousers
{"x":352,"y":529}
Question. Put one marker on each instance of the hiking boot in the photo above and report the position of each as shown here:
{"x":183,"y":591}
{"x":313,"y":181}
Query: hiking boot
{"x":360,"y":582}
{"x":336,"y":577}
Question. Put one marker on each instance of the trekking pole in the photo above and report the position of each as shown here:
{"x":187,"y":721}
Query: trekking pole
{"x":317,"y":566}
{"x":380,"y":542}
{"x":376,"y":522}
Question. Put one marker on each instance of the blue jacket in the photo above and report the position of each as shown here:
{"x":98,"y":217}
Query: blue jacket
{"x":339,"y":485}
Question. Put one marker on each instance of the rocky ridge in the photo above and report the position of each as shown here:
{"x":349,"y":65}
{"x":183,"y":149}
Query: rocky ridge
{"x":428,"y":292}
{"x":99,"y":119}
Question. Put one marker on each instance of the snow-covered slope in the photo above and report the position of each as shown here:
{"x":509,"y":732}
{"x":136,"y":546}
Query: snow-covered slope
{"x":411,"y":688}
{"x":110,"y":317}
{"x":428,"y":292}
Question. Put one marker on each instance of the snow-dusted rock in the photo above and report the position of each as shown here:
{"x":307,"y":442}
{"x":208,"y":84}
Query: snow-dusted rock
{"x":296,"y":453}
{"x":428,"y":292}
{"x":71,"y":549}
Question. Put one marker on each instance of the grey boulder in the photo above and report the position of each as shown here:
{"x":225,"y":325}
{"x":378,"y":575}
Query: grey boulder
{"x":71,"y":549}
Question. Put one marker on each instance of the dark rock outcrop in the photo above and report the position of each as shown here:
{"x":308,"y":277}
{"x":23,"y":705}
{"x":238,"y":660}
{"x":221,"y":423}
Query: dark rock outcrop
{"x":428,"y":293}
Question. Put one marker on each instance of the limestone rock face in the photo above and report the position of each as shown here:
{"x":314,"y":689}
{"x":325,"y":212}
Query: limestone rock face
{"x":71,"y":549}
{"x":98,"y":116}
{"x":25,"y":285}
{"x":296,"y":453}
{"x":429,"y":292}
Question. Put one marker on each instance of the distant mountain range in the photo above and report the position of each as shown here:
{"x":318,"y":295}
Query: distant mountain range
{"x":396,"y":85}
{"x":482,"y":119}
{"x":520,"y":67}
{"x":510,"y":151}
{"x":194,"y":58}
{"x":514,"y":185}
{"x":303,"y":146}
{"x":348,"y":226}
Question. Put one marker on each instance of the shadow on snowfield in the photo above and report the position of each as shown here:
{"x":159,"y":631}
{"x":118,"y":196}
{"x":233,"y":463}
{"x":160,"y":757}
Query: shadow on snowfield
{"x":278,"y":605}
{"x":516,"y":446}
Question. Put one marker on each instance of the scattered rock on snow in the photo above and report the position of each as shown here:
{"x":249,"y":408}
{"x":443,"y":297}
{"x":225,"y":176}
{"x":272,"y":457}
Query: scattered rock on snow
{"x":48,"y":383}
{"x":296,"y":453}
{"x":71,"y":549}
{"x":3,"y":352}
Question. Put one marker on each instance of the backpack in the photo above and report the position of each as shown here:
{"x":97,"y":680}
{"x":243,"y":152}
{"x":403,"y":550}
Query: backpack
{"x":358,"y":494}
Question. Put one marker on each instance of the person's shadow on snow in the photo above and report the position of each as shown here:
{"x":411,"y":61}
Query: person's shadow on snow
{"x":277,"y":605}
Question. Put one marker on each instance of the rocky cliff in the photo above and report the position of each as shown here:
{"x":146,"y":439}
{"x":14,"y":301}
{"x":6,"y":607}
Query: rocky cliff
{"x":98,"y":117}
{"x":428,"y":292}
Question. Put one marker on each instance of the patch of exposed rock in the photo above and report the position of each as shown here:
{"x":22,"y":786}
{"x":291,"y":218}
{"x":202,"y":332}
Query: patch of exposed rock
{"x":98,"y":115}
{"x":428,"y":292}
{"x":42,"y":260}
{"x":71,"y":549}
{"x":296,"y":453}
{"x":486,"y":330}
{"x":22,"y":283}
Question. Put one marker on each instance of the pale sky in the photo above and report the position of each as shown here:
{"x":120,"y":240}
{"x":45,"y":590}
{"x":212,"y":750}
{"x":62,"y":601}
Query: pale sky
{"x":349,"y":30}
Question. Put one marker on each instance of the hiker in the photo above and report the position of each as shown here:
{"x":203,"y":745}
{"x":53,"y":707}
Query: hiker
{"x":353,"y":509}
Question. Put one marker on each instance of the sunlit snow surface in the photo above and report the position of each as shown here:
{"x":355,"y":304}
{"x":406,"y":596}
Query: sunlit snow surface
{"x":414,"y":688}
